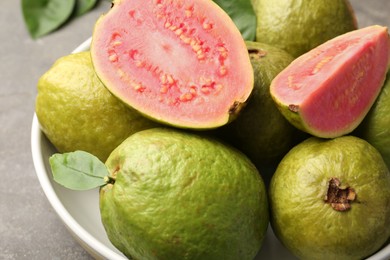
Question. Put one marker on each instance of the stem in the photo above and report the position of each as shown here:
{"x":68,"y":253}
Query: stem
{"x":109,"y":179}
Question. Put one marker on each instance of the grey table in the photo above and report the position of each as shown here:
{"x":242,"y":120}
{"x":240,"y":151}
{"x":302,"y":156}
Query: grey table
{"x":29,"y":227}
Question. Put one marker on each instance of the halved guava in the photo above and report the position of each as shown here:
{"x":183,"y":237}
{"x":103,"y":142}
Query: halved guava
{"x":328,"y":91}
{"x":183,"y":63}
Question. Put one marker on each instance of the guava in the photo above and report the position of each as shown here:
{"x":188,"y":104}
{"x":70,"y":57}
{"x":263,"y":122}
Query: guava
{"x":375,"y":127}
{"x":299,"y":26}
{"x":76,"y":111}
{"x":328,"y":91}
{"x":261,"y":131}
{"x":330,"y":199}
{"x":178,"y":195}
{"x":183,"y":63}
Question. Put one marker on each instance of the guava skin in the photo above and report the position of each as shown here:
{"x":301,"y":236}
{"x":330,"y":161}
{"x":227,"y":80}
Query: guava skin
{"x":182,"y":196}
{"x":308,"y":225}
{"x":375,"y":127}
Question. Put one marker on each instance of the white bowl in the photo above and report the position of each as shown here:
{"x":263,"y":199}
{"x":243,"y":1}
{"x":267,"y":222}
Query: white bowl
{"x":79,"y":210}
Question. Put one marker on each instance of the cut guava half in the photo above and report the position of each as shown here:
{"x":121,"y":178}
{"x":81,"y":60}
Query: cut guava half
{"x":328,"y":91}
{"x":183,"y":63}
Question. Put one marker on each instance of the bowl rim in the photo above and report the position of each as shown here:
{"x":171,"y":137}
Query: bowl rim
{"x":91,"y":244}
{"x":85,"y":239}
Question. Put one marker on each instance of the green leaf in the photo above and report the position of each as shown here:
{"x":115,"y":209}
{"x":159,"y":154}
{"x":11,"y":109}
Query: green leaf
{"x":44,"y":16}
{"x":78,"y":170}
{"x":242,"y":14}
{"x":83,"y":6}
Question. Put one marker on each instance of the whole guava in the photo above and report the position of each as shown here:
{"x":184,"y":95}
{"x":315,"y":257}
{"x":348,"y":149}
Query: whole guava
{"x":330,"y":199}
{"x":178,"y":195}
{"x":77,"y":112}
{"x":261,"y":131}
{"x":299,"y":26}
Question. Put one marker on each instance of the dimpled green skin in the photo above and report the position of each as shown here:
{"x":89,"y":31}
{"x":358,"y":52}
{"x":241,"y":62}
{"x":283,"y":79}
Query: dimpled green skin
{"x":299,"y":26}
{"x":182,"y":196}
{"x":375,"y":127}
{"x":311,"y":228}
{"x":77,"y":112}
{"x":261,"y":131}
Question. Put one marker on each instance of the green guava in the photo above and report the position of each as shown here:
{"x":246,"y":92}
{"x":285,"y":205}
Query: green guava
{"x":375,"y":127}
{"x":182,"y":63}
{"x":178,"y":195}
{"x":330,"y":199}
{"x":261,"y":131}
{"x":76,"y":111}
{"x":299,"y":26}
{"x":329,"y":90}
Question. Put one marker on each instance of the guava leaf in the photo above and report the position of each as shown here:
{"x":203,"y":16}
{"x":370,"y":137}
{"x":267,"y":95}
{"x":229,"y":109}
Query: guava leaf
{"x":242,"y":14}
{"x":44,"y":16}
{"x":78,"y":170}
{"x":83,"y":6}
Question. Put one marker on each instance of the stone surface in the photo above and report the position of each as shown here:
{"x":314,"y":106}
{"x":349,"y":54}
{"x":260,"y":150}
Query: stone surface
{"x":29,"y":227}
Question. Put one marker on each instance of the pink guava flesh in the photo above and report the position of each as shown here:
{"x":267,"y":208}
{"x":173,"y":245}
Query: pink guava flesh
{"x":332,"y":87}
{"x":180,"y":62}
